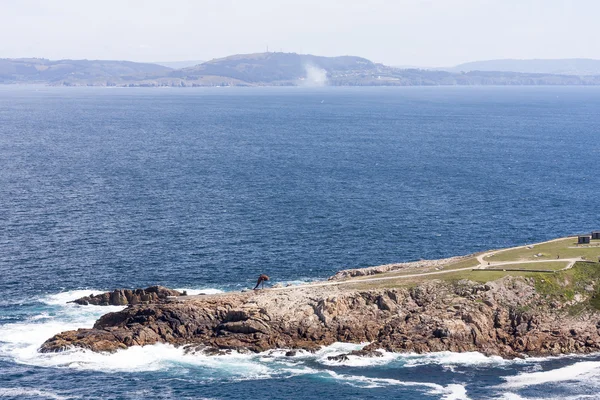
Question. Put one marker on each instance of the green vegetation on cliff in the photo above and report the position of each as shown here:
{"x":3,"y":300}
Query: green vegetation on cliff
{"x":582,"y":280}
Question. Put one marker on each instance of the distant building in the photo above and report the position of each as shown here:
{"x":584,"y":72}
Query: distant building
{"x":596,"y":235}
{"x":584,"y":239}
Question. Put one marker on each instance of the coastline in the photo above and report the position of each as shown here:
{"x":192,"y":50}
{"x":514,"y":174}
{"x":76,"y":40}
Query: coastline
{"x":515,"y":315}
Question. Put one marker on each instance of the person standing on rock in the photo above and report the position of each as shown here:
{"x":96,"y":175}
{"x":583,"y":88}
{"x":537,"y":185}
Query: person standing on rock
{"x":261,"y":281}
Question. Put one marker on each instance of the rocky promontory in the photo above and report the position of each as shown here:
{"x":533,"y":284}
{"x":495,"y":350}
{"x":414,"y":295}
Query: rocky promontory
{"x":510,"y":317}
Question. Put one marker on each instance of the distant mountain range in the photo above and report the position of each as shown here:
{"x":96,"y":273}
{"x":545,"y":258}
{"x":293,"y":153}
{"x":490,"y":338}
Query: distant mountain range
{"x":65,"y":72}
{"x":291,"y":69}
{"x":569,"y":66}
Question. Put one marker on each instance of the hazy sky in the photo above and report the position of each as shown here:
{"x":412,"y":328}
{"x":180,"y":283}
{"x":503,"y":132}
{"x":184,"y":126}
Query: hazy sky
{"x":395,"y":32}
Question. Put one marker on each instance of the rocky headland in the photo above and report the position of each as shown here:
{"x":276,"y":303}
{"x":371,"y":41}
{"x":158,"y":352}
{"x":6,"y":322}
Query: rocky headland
{"x":510,"y":317}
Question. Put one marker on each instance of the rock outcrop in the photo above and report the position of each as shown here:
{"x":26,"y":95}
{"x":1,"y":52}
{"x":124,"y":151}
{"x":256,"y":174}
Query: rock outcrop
{"x":507,"y":317}
{"x":123,"y":297}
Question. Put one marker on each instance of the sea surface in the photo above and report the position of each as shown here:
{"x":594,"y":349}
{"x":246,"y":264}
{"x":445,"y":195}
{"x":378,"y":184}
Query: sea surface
{"x":205,"y":189}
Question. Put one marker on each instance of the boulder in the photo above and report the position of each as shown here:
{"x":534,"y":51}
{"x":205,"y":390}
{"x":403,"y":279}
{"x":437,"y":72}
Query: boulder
{"x":123,"y":297}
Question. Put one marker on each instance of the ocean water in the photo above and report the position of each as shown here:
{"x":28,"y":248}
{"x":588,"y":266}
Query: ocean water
{"x":207,"y":188}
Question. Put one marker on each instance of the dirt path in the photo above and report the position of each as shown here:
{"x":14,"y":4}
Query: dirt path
{"x":484,"y":264}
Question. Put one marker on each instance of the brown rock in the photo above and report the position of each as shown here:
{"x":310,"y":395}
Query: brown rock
{"x":122,"y":297}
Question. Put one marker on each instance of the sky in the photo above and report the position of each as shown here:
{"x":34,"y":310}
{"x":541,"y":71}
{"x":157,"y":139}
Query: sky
{"x":426,"y":33}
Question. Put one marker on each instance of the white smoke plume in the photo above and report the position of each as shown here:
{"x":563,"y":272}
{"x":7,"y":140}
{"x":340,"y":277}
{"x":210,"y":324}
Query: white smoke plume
{"x":315,"y":76}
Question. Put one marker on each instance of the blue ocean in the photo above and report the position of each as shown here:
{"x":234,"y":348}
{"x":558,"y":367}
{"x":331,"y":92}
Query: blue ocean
{"x":205,"y":189}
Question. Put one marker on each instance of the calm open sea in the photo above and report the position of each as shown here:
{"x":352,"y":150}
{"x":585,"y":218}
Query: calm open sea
{"x":207,"y":188}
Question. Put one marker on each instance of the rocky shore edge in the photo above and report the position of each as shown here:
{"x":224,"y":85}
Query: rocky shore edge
{"x":122,"y":297}
{"x":510,"y":317}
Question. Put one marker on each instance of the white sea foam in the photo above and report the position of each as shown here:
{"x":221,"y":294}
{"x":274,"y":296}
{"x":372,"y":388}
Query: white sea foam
{"x":449,"y":392}
{"x":446,"y":359}
{"x":454,"y":392}
{"x":581,"y":377}
{"x":450,"y":360}
{"x":247,"y":366}
{"x":514,"y":396}
{"x":367,"y":382}
{"x":24,"y":393}
{"x":21,"y":340}
{"x":40,"y":316}
{"x":63,"y":298}
{"x":352,"y":360}
{"x":584,"y":371}
{"x":41,"y":326}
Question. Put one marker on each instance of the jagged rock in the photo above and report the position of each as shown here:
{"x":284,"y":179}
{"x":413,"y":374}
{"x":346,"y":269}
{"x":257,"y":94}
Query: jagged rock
{"x":385,"y":303}
{"x":358,"y":353}
{"x":246,"y":327}
{"x":96,"y":340}
{"x":204,"y":350}
{"x":123,"y":297}
{"x":339,"y":357}
{"x":441,"y":333}
{"x":366,"y":353}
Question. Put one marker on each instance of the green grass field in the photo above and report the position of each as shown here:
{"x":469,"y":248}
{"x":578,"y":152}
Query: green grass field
{"x":549,"y":265}
{"x":565,"y":248}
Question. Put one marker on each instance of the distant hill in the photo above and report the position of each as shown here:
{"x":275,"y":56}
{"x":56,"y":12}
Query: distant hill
{"x":280,"y":68}
{"x":76,"y":72}
{"x":272,"y":69}
{"x":570,"y":66}
{"x":179,"y":64}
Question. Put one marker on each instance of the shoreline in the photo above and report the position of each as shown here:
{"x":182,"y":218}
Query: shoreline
{"x":512,"y":316}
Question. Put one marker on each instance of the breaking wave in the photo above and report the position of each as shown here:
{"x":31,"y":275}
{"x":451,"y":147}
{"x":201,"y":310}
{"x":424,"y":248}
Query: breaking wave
{"x":25,"y":393}
{"x":448,"y":392}
{"x":588,"y":371}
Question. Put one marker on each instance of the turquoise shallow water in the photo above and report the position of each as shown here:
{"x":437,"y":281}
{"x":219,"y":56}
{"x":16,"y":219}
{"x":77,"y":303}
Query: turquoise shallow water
{"x":207,"y":188}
